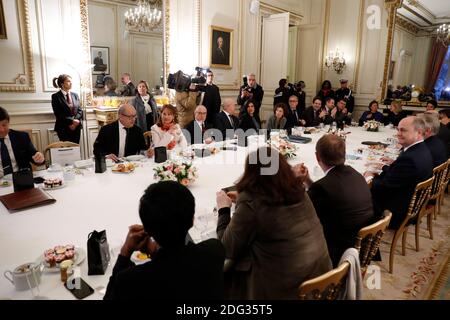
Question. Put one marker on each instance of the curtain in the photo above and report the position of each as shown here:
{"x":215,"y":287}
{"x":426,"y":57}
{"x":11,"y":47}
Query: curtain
{"x":437,"y":56}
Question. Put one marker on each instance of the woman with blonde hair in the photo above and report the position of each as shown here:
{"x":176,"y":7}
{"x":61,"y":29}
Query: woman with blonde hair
{"x":167,"y":132}
{"x":395,"y":113}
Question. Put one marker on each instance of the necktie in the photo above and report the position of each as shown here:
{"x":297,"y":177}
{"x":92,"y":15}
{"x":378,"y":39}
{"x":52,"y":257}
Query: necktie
{"x":73,"y":109}
{"x":296,"y":115}
{"x":125,"y":153}
{"x":6,"y":160}
{"x":231,"y":121}
{"x":203,"y":128}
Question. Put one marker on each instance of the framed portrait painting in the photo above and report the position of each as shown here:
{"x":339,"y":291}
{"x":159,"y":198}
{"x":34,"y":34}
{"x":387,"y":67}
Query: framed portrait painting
{"x":100,"y":60}
{"x":221,"y":49}
{"x":2,"y":22}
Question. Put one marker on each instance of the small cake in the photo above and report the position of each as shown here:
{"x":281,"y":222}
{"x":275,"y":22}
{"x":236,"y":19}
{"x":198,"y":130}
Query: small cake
{"x":60,"y":258}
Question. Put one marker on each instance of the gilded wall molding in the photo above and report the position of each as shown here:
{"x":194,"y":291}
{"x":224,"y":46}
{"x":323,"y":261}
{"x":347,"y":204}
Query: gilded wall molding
{"x":391,"y":6}
{"x":86,"y":77}
{"x":407,"y":25}
{"x":24,"y":82}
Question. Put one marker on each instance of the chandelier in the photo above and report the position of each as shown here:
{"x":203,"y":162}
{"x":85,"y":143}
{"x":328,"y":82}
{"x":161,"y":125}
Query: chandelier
{"x":145,"y":17}
{"x":336,"y":61}
{"x":443,"y":34}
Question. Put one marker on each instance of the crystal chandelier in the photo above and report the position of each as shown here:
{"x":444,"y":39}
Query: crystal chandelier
{"x":145,"y":17}
{"x":336,"y":61}
{"x":443,"y":34}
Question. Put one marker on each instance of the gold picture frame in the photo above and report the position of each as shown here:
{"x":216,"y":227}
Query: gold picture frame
{"x":3,"y":34}
{"x":221,"y":47}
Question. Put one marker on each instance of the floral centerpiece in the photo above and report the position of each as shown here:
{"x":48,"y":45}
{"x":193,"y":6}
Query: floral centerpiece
{"x":182,"y":172}
{"x":372,"y":125}
{"x":285,"y":148}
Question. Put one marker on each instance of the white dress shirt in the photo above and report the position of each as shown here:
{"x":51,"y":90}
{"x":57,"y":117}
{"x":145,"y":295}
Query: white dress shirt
{"x":15,"y":167}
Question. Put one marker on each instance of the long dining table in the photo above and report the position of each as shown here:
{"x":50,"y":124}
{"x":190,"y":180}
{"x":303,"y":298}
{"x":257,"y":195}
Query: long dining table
{"x":109,"y":201}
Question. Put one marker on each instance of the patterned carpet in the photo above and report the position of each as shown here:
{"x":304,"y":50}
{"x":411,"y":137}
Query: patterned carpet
{"x":421,"y":275}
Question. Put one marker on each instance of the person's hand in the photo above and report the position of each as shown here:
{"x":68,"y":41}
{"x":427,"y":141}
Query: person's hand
{"x":322,"y":114}
{"x":369,"y":115}
{"x":233,"y":196}
{"x":38,"y":158}
{"x":369,"y":174}
{"x":171,"y":145}
{"x":150,"y":247}
{"x":302,"y":122}
{"x":333,"y":112}
{"x":344,"y":111}
{"x":136,"y":239}
{"x":386,"y":160}
{"x":301,"y":171}
{"x":209,"y":140}
{"x":223,"y":201}
{"x":192,"y":87}
{"x":150,"y":152}
{"x":76,"y":122}
{"x":113,"y":157}
{"x":72,"y":127}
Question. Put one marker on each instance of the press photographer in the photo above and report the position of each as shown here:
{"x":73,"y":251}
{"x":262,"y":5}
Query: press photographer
{"x":250,"y":90}
{"x":210,"y":97}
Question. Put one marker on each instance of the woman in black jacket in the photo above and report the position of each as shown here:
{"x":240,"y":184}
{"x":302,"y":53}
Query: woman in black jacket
{"x":249,"y":120}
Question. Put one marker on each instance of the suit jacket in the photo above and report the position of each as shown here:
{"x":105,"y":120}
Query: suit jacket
{"x":195,"y":132}
{"x":291,"y":119}
{"x":437,"y":150}
{"x":343,"y":204}
{"x":211,"y":100}
{"x":272,"y":123}
{"x":394,"y":187}
{"x":342,"y":119}
{"x":394,"y":119}
{"x":129,"y":90}
{"x":246,"y":123}
{"x":22,"y":147}
{"x":191,"y":272}
{"x":275,"y":248}
{"x":312,"y":120}
{"x":347,"y":94}
{"x":62,"y":111}
{"x":141,"y":120}
{"x":223,"y":124}
{"x":107,"y":141}
{"x":444,"y":135}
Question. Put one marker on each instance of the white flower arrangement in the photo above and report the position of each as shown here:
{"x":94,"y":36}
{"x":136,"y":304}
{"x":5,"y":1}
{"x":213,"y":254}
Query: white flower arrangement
{"x":285,"y":148}
{"x":182,"y":172}
{"x":372,"y":125}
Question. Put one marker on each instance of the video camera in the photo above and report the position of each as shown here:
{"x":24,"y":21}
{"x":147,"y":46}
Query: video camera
{"x":181,"y":81}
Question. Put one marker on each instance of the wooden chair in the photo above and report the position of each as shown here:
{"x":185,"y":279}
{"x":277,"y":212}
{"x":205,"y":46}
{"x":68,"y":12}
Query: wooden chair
{"x":368,"y":240}
{"x":327,"y":286}
{"x":148,"y":138}
{"x":445,"y":186}
{"x":417,"y":205}
{"x":58,"y":144}
{"x":433,"y":204}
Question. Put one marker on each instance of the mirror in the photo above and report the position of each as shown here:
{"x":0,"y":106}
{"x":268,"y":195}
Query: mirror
{"x":112,"y":50}
{"x":411,"y":48}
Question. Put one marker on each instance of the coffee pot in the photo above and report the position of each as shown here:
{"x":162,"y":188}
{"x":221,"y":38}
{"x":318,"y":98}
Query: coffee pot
{"x":26,"y":276}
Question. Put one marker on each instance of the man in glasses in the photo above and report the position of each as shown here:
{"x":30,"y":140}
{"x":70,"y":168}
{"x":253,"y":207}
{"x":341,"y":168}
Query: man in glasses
{"x":197,"y":127}
{"x":121,"y":138}
{"x":210,"y":97}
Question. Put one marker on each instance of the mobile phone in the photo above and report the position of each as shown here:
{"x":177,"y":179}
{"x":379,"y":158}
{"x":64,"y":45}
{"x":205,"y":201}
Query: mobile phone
{"x":80,"y":288}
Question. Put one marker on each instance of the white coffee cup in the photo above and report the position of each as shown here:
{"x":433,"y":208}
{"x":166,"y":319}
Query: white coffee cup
{"x":25,"y":276}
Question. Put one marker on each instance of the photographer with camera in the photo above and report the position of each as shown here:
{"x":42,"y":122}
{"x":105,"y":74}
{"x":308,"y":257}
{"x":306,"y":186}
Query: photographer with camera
{"x":210,"y":96}
{"x":250,"y":90}
{"x":282,"y":93}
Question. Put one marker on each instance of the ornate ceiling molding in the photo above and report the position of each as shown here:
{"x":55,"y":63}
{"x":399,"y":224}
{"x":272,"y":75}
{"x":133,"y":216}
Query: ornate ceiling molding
{"x":411,"y":27}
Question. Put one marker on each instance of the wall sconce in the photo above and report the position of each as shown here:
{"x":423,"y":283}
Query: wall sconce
{"x":336,"y":61}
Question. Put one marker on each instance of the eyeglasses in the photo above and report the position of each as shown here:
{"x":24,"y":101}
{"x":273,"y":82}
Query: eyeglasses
{"x":129,"y":116}
{"x":201,"y":113}
{"x":210,"y":75}
{"x":293,"y":101}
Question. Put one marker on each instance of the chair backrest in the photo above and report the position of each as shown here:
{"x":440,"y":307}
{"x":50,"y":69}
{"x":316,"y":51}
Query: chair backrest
{"x":327,"y":286}
{"x":419,"y":200}
{"x":58,"y":144}
{"x":368,"y":239}
{"x":447,"y":174}
{"x":439,"y":176}
{"x":148,"y":138}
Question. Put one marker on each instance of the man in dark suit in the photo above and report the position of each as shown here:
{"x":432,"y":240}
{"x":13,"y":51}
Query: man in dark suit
{"x":177,"y":270}
{"x":196,"y":129}
{"x":342,"y":116}
{"x":315,"y":115}
{"x":121,"y":138}
{"x":444,"y":130}
{"x":226,"y":122}
{"x":343,"y":211}
{"x":253,"y":91}
{"x":394,"y":187}
{"x":211,"y":97}
{"x":434,"y":144}
{"x":295,"y":115}
{"x":129,"y":90}
{"x":344,"y":92}
{"x":17,"y":150}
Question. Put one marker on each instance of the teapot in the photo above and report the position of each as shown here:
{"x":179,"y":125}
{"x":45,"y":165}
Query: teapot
{"x":25,"y":276}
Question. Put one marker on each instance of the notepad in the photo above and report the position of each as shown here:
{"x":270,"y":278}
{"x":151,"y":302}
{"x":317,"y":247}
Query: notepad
{"x":26,"y":199}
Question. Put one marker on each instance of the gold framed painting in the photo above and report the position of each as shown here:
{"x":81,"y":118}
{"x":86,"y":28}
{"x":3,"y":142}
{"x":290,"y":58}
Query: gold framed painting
{"x":2,"y":22}
{"x":221,"y":48}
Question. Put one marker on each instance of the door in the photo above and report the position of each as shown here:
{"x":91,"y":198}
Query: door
{"x":274,"y":51}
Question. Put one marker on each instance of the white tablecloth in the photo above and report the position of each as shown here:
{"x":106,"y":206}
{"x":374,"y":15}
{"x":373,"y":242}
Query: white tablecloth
{"x":109,"y":201}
